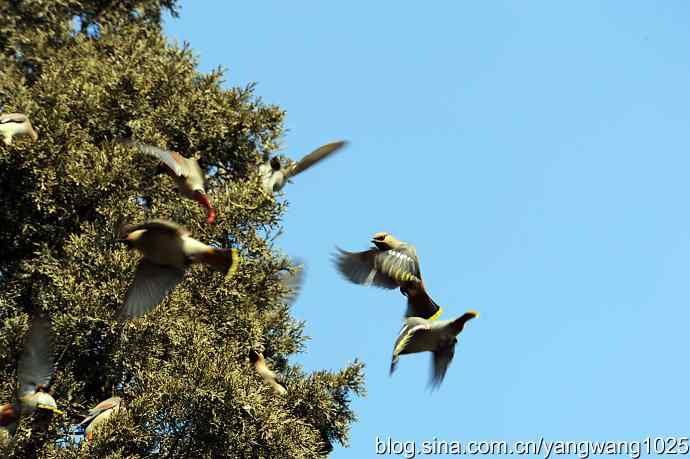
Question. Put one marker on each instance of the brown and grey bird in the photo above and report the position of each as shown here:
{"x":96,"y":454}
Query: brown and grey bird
{"x":438,"y":337}
{"x":34,"y":370}
{"x":16,"y":125}
{"x":167,"y":249}
{"x":100,"y":414}
{"x":266,"y":374}
{"x":274,"y":175}
{"x":389,"y":264}
{"x":185,"y":172}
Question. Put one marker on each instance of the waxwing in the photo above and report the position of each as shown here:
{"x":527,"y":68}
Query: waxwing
{"x":266,"y":374}
{"x":438,"y":337}
{"x":167,"y":249}
{"x":274,"y":175}
{"x":16,"y":125}
{"x":100,"y":414}
{"x":389,"y":264}
{"x":34,"y":371}
{"x":186,"y":173}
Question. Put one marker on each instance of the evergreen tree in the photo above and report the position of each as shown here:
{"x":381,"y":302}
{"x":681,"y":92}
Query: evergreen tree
{"x":88,"y":72}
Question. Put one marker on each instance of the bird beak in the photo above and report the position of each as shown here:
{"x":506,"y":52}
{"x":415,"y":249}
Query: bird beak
{"x":475,"y":314}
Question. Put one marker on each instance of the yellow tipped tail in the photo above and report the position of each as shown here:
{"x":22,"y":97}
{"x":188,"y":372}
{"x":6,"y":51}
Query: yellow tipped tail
{"x":234,"y":264}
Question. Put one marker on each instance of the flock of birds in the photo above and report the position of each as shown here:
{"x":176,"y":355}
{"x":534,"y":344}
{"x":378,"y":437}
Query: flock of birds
{"x":167,"y":250}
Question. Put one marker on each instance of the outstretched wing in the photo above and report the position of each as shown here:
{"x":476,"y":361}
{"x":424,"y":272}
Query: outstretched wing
{"x":292,"y":281}
{"x":156,"y":225}
{"x":35,"y":365}
{"x":410,"y":328}
{"x":314,"y":157}
{"x":441,"y":361}
{"x":173,"y":160}
{"x":151,"y":284}
{"x":386,"y":269}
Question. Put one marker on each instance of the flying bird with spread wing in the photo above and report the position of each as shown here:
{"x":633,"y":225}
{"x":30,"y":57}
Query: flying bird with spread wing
{"x":274,"y":175}
{"x":99,"y":414}
{"x":16,"y":125}
{"x":269,"y":376}
{"x":185,"y":172}
{"x":167,"y":249}
{"x":389,"y":264}
{"x":34,"y":371}
{"x":438,"y":337}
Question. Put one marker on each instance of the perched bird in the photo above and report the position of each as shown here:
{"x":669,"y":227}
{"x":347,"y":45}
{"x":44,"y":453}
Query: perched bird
{"x":101,"y":413}
{"x":184,"y":171}
{"x":439,"y":337}
{"x":167,"y":250}
{"x":266,"y":374}
{"x":34,"y":370}
{"x":390,"y":264}
{"x":274,"y":175}
{"x":16,"y":125}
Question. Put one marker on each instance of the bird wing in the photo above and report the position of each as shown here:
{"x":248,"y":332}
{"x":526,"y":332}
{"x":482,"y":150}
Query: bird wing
{"x":151,"y":284}
{"x":441,"y":359}
{"x":420,"y":304}
{"x":157,"y":225}
{"x":105,"y":405}
{"x":194,"y":172}
{"x":175,"y":161}
{"x":314,"y":157}
{"x":35,"y":365}
{"x":292,"y":281}
{"x":13,"y":118}
{"x":385,"y":269}
{"x":412,"y":326}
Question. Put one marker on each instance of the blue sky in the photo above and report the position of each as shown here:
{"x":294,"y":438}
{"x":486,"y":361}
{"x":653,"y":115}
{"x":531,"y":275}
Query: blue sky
{"x":536,"y":153}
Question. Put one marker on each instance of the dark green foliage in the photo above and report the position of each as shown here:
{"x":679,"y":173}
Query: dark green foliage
{"x":88,"y":72}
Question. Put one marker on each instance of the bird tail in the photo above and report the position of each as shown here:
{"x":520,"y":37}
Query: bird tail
{"x":225,"y":260}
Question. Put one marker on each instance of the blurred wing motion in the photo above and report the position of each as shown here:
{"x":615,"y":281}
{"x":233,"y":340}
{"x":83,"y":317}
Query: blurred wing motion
{"x":439,"y":365}
{"x":156,"y":225}
{"x":314,"y":157}
{"x":174,"y":161}
{"x":292,"y":281}
{"x":151,"y":284}
{"x":36,"y":363}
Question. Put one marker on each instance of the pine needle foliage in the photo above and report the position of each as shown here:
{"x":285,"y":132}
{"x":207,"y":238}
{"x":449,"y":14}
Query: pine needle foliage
{"x":87,"y":73}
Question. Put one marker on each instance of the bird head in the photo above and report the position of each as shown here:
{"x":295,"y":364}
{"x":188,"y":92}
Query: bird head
{"x":384,"y":241}
{"x":254,"y":356}
{"x":275,"y":164}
